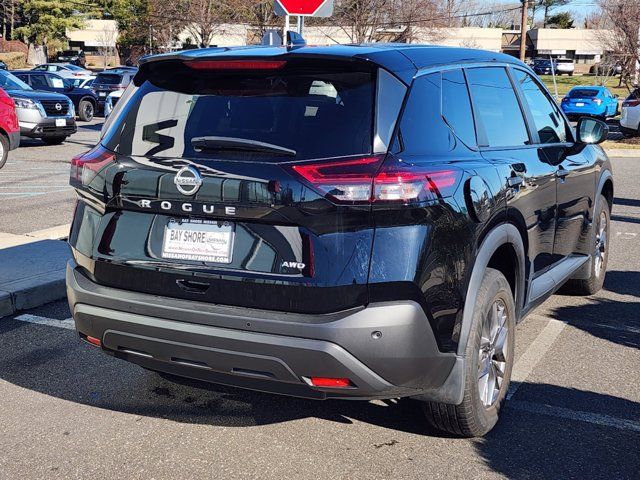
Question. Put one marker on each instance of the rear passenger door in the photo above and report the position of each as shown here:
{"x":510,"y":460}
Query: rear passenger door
{"x":574,"y":170}
{"x":528,"y":178}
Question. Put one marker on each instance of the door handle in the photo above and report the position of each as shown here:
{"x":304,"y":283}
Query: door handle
{"x":562,"y":173}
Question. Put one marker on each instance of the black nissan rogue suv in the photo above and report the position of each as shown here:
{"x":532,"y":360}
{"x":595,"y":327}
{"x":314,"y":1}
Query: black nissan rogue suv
{"x":336,"y":222}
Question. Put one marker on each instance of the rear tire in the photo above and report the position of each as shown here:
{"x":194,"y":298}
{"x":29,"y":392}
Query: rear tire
{"x":4,"y":150}
{"x":86,"y":110}
{"x":54,"y":140}
{"x":600,"y":240}
{"x":489,"y":360}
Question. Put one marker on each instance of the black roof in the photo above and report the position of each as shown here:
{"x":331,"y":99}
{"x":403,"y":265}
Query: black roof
{"x":402,"y":59}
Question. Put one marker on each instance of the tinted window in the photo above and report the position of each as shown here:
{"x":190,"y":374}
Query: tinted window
{"x":546,"y":117}
{"x":108,"y":78}
{"x":456,"y":106}
{"x":583,"y":93}
{"x":496,"y":107}
{"x":316,"y":112}
{"x":422,"y":130}
{"x":39,"y":81}
{"x":9,"y":81}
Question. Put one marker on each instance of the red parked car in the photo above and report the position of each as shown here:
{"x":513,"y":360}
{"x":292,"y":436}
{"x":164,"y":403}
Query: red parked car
{"x":9,"y":127}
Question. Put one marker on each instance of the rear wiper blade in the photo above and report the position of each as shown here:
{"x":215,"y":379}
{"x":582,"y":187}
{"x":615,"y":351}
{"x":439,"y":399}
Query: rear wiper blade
{"x":244,"y":144}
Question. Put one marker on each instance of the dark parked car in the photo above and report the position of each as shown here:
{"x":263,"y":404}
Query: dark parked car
{"x":109,"y":81}
{"x":336,"y":222}
{"x":74,"y":57}
{"x":45,"y":115}
{"x":84,"y":100}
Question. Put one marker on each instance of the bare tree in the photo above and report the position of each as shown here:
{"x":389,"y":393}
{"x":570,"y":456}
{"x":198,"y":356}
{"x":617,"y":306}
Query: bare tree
{"x":258,"y":14}
{"x":623,"y":17}
{"x":106,"y":40}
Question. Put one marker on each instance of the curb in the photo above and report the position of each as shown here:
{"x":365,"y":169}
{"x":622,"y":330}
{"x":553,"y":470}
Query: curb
{"x":33,"y":272}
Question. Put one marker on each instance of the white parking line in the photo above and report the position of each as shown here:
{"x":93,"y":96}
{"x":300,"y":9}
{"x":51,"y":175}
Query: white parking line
{"x":579,"y":415}
{"x":530,"y":358}
{"x":66,"y":323}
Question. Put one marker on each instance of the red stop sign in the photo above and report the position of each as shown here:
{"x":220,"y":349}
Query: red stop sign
{"x":301,"y":7}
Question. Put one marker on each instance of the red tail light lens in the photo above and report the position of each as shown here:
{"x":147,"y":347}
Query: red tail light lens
{"x":366,"y":180}
{"x":330,"y":382}
{"x":236,"y":64}
{"x":631,"y":103}
{"x":346,"y":180}
{"x":86,"y":166}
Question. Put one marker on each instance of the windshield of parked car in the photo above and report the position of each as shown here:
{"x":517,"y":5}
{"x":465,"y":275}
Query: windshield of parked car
{"x":9,"y":81}
{"x":307,"y":112}
{"x":583,"y":93}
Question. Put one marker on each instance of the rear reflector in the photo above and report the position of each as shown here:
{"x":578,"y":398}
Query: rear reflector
{"x":331,"y":382}
{"x":368,"y":179}
{"x":236,"y":64}
{"x":94,"y":341}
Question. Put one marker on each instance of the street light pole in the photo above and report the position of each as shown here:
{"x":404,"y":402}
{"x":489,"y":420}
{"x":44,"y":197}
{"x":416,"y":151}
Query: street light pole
{"x":523,"y":29}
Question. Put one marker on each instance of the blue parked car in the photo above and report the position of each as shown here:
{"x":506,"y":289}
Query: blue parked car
{"x":590,"y":102}
{"x":84,"y":99}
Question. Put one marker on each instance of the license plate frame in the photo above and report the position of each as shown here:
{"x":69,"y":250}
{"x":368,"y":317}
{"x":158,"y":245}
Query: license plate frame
{"x":61,"y":122}
{"x":208,"y":241}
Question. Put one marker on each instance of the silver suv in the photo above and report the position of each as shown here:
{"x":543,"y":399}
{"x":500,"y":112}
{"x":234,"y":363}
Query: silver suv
{"x":45,"y":115}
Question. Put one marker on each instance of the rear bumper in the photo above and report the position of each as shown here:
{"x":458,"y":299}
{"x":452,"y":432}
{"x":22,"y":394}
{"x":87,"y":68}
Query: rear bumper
{"x":14,"y":140}
{"x":270,"y":351}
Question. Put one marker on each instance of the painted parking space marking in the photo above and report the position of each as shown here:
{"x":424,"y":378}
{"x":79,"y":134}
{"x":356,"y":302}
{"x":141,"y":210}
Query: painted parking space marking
{"x":579,"y":415}
{"x":67,"y":323}
{"x":534,"y":353}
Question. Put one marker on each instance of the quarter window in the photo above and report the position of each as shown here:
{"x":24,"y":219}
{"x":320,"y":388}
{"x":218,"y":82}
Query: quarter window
{"x":496,"y":106}
{"x":456,"y":106}
{"x":549,"y":123}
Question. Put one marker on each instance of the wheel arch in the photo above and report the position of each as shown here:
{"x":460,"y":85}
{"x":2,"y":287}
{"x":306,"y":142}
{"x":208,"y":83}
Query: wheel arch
{"x":502,"y":248}
{"x":89,"y":98}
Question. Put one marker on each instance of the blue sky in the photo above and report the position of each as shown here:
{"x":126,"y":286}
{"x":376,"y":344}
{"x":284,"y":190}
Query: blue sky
{"x":578,"y":7}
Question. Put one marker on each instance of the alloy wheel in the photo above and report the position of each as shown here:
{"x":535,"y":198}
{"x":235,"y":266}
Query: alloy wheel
{"x":601,"y":244}
{"x":492,"y":356}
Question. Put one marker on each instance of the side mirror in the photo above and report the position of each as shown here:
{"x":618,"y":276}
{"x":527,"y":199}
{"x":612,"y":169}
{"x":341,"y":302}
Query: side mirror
{"x":592,"y":131}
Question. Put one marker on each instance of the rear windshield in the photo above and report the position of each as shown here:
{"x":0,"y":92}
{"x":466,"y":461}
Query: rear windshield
{"x":109,"y":79}
{"x":564,"y":60}
{"x":583,"y":93}
{"x":298,"y":112}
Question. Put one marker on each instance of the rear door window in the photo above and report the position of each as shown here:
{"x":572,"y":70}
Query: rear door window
{"x":301,"y":113}
{"x":108,"y":79}
{"x":548,"y":121}
{"x":497,"y":110}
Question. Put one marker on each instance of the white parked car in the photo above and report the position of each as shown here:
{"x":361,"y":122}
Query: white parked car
{"x":111,"y":101}
{"x":630,"y":114}
{"x":564,"y":66}
{"x":66,"y":70}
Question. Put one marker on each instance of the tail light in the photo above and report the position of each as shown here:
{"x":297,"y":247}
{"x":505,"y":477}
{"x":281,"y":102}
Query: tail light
{"x":597,"y":101}
{"x":631,"y":103}
{"x":374,"y":179}
{"x":330,"y":382}
{"x":565,"y":99}
{"x":86,"y":166}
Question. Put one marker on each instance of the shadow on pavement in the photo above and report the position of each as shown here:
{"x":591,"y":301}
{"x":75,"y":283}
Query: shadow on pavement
{"x":529,"y":444}
{"x":615,"y":321}
{"x":627,"y":202}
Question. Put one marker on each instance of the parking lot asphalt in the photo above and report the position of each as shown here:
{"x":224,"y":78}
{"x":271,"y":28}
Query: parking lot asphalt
{"x":34,"y":184}
{"x":67,"y":411}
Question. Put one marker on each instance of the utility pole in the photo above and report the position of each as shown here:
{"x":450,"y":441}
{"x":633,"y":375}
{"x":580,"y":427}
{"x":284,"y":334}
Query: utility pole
{"x":523,"y":29}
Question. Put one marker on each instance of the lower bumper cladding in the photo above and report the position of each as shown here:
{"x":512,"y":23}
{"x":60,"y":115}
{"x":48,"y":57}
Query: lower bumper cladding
{"x":311,"y":356}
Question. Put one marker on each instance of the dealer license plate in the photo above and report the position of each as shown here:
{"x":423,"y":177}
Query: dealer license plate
{"x":199,"y":240}
{"x":61,"y":122}
{"x":580,"y":104}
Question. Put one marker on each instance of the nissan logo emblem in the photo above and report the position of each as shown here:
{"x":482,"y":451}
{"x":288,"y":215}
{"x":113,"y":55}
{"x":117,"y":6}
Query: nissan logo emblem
{"x":188,"y":180}
{"x":58,"y":107}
